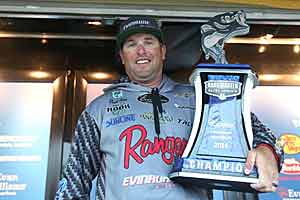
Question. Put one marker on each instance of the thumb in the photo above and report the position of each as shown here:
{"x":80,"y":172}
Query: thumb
{"x":250,"y":162}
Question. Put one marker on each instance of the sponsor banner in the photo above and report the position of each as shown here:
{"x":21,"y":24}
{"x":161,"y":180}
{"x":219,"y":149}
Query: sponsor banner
{"x":25,"y":120}
{"x":277,"y":107}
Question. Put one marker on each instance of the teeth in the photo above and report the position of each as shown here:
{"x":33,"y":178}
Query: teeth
{"x":142,"y":61}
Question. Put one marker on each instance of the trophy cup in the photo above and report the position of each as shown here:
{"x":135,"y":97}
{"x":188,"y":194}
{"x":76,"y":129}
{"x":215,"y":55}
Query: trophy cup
{"x":221,"y":135}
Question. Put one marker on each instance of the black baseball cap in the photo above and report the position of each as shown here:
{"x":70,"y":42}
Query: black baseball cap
{"x":138,"y":24}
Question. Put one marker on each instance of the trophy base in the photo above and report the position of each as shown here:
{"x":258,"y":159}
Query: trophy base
{"x":212,"y":181}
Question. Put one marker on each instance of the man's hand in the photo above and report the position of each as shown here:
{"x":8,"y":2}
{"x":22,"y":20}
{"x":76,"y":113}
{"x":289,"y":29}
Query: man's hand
{"x":263,"y":158}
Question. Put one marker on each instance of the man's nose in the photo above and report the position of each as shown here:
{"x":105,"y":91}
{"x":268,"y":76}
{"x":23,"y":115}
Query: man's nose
{"x":141,"y":50}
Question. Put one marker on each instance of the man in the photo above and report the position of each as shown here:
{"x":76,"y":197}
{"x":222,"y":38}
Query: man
{"x":129,"y":136}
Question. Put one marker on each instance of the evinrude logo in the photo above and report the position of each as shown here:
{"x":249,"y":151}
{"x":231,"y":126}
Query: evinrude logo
{"x":222,"y":89}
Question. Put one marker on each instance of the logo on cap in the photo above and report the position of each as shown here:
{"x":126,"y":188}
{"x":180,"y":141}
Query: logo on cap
{"x":137,"y":22}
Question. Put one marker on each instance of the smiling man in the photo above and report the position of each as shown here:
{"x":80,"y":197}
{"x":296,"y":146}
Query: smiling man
{"x":132,"y":151}
{"x":143,"y":56}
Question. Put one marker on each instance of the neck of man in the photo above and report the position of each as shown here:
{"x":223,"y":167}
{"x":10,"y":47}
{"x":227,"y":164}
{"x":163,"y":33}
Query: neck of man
{"x":152,"y":83}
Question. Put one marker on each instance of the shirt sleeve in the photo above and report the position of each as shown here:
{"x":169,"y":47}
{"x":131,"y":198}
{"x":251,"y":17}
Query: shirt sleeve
{"x":263,"y":135}
{"x":83,"y":162}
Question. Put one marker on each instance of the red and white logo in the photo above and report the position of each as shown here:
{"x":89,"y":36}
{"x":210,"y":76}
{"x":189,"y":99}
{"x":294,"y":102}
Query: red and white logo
{"x":291,"y":166}
{"x":168,"y":147}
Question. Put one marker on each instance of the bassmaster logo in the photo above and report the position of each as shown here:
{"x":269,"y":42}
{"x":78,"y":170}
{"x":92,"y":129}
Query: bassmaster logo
{"x":222,"y":89}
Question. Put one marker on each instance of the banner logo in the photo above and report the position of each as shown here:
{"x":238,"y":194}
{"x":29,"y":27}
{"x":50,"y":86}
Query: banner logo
{"x":291,"y":166}
{"x":290,"y":143}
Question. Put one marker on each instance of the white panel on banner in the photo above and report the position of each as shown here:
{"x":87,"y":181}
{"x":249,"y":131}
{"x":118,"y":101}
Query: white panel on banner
{"x":25,"y":120}
{"x":278,"y":108}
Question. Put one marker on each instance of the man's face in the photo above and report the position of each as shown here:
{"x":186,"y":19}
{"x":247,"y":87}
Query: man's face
{"x":143,"y":55}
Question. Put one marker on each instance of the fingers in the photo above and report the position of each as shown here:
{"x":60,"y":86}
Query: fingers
{"x":264,"y":187}
{"x":250,"y":162}
{"x":266,"y":167}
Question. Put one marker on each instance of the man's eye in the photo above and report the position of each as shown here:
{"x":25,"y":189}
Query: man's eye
{"x":149,"y":42}
{"x":130,"y":44}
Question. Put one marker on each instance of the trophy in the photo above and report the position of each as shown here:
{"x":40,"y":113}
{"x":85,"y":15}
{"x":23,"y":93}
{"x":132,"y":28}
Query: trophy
{"x":221,"y":135}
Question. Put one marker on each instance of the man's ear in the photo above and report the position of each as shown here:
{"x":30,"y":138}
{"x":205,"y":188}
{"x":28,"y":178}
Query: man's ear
{"x":121,"y":56}
{"x":163,"y":50}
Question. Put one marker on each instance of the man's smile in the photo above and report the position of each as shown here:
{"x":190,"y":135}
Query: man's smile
{"x":143,"y":61}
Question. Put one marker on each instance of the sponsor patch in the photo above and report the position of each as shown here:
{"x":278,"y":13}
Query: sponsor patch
{"x":139,"y":149}
{"x":120,"y":120}
{"x":118,"y":109}
{"x":117,"y":94}
{"x":163,"y":118}
{"x":184,"y":122}
{"x":146,"y":98}
{"x":184,"y":107}
{"x":118,"y":100}
{"x":145,"y":179}
{"x":184,"y":94}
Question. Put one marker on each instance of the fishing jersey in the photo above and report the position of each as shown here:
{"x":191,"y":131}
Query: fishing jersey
{"x":115,"y":140}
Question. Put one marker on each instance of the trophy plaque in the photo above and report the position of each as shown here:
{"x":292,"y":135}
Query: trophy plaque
{"x":221,"y":135}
